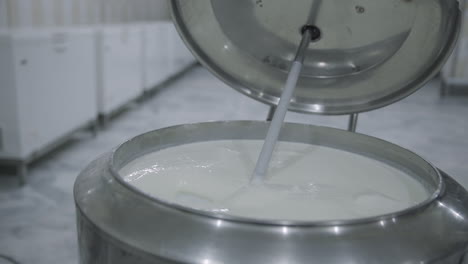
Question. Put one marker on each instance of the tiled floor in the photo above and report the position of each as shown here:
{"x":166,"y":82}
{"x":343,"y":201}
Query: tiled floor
{"x":37,"y":222}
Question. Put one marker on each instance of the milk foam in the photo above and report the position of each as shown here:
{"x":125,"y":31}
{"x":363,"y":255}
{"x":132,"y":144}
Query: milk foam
{"x":304,"y":182}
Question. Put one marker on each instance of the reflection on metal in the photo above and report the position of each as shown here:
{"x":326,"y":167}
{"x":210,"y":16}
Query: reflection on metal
{"x":353,"y":120}
{"x":452,"y":211}
{"x":336,"y":230}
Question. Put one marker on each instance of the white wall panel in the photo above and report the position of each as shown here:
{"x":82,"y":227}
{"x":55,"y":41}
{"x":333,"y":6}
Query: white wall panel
{"x":20,"y":13}
{"x":107,"y":11}
{"x":60,"y":13}
{"x":121,"y":16}
{"x":92,"y":12}
{"x":69,"y":12}
{"x":3,"y":14}
{"x":48,"y":10}
{"x":37,"y":15}
{"x":181,"y":57}
{"x":75,"y":10}
{"x":132,"y":11}
{"x":81,"y":12}
{"x":127,"y":12}
{"x":120,"y":66}
{"x":141,"y":10}
{"x":160,"y":10}
{"x":146,"y":12}
{"x":157,"y":58}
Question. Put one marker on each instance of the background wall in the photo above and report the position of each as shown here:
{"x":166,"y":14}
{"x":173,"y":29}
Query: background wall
{"x":3,"y":15}
{"x":59,"y":13}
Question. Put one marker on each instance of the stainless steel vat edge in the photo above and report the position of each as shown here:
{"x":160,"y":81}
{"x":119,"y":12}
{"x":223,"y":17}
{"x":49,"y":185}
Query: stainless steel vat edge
{"x":118,"y":225}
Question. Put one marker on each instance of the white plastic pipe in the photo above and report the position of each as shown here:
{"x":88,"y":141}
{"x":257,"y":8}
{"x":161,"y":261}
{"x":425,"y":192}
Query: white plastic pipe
{"x":278,"y":118}
{"x":276,"y":124}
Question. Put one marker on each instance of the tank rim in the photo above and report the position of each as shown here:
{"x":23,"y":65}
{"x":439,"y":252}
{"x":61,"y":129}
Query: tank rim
{"x":438,"y":192}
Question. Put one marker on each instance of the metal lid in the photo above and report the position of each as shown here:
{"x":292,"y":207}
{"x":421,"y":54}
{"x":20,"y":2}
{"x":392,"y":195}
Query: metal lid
{"x":371,"y":52}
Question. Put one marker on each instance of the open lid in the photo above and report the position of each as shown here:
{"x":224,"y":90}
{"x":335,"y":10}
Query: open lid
{"x":371,"y":52}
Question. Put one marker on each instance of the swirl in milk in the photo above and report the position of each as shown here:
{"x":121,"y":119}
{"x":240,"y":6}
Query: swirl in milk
{"x":304,"y":182}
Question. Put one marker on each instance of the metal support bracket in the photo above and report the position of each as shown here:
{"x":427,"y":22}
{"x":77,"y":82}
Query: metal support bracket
{"x":353,"y":121}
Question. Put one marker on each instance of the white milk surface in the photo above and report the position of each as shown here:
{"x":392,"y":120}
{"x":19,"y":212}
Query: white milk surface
{"x":304,"y":183}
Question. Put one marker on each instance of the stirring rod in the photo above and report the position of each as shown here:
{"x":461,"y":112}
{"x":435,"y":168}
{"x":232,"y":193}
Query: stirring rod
{"x":283,"y":105}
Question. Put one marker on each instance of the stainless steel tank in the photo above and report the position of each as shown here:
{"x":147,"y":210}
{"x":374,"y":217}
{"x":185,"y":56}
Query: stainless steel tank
{"x":371,"y":54}
{"x":119,"y":224}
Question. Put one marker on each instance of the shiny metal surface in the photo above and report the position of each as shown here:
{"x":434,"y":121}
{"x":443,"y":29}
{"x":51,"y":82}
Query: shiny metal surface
{"x":371,"y":53}
{"x":119,"y":225}
{"x":353,"y":122}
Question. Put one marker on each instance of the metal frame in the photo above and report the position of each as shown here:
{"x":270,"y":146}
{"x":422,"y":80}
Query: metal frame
{"x":352,"y":124}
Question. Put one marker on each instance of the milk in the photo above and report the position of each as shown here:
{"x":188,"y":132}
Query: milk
{"x":304,"y":182}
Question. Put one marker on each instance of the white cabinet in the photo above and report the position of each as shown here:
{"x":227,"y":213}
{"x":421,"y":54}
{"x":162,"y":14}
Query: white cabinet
{"x":180,"y":55}
{"x":165,"y":54}
{"x":47,"y":88}
{"x":120,"y":66}
{"x":157,"y":60}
